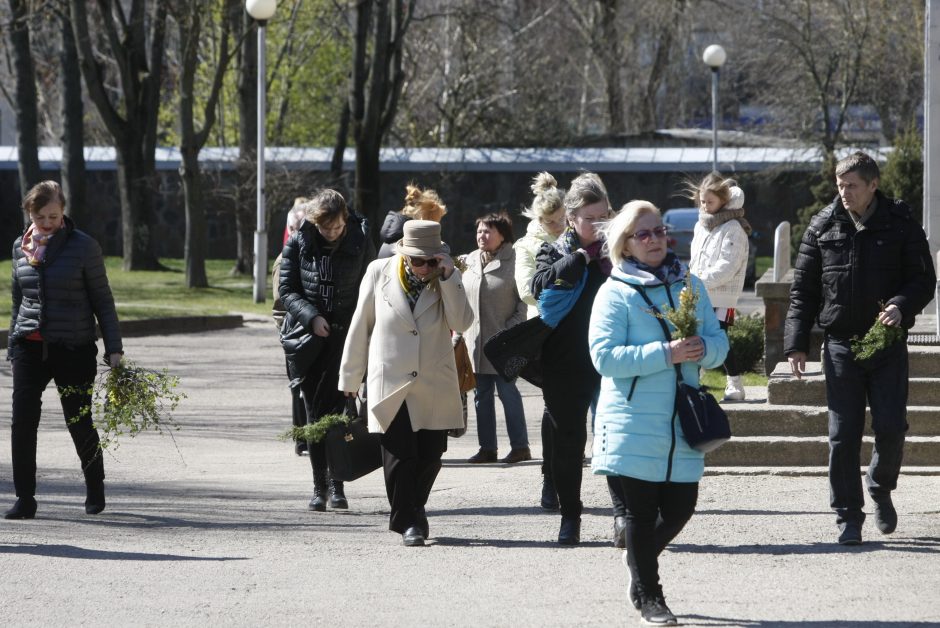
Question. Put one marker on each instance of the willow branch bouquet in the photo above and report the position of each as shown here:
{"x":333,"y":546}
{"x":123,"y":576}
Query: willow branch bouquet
{"x":316,"y":432}
{"x":683,"y":318}
{"x":878,"y":338}
{"x":128,"y":399}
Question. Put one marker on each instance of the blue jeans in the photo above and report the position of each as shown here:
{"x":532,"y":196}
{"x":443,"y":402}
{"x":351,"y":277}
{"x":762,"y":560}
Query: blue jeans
{"x":485,"y":406}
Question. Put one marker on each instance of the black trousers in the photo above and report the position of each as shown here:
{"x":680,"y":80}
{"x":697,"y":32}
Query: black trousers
{"x":656,"y":512}
{"x":411,"y":461}
{"x":321,"y":394}
{"x":567,"y":400}
{"x":883,"y":382}
{"x":547,"y":444}
{"x":298,"y":411}
{"x":35,"y":364}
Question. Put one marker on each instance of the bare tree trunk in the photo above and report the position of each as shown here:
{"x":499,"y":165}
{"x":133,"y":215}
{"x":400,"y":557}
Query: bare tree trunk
{"x":136,"y":42}
{"x":27,"y":140}
{"x":243,"y":28}
{"x":73,"y":131}
{"x":375,"y":89}
{"x":609,"y":50}
{"x":192,"y":140}
{"x":339,"y":150}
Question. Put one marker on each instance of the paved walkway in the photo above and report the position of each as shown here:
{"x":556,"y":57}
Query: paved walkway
{"x":213,"y":530}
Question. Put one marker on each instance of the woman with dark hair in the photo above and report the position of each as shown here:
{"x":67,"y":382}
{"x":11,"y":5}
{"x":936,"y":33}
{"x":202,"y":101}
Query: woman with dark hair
{"x":60,"y":289}
{"x":321,"y":268}
{"x":491,"y":289}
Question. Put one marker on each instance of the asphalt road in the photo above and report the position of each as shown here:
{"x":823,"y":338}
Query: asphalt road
{"x":210,"y":528}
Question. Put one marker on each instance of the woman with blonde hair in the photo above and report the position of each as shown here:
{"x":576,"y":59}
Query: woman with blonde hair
{"x":419,"y":205}
{"x":638,"y":442}
{"x":719,"y":257}
{"x":546,"y":222}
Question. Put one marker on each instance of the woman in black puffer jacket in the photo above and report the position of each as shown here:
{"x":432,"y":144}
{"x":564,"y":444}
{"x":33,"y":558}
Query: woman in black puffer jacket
{"x":59,"y":289}
{"x":321,"y":268}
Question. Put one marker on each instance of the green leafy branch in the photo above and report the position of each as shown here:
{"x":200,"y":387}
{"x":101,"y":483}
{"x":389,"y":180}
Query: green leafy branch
{"x":128,"y":399}
{"x":878,"y":338}
{"x":684,"y":317}
{"x":316,"y":432}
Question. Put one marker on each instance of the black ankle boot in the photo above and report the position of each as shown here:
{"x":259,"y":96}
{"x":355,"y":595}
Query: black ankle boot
{"x":337,"y":497}
{"x":570,"y":531}
{"x":94,"y":497}
{"x":318,"y":501}
{"x":24,"y":508}
{"x":549,"y":496}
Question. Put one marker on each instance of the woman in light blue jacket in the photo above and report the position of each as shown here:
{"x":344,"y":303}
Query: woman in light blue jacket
{"x":637,"y":436}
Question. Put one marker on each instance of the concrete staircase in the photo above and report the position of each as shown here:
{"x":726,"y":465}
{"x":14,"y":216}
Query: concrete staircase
{"x":787,"y":427}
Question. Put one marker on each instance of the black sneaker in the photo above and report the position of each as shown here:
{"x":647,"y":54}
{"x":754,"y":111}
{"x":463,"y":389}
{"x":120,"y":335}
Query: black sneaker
{"x":886,"y":517}
{"x":851,"y":533}
{"x":654,"y":612}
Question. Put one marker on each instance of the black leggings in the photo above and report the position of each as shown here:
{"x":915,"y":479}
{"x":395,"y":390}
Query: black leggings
{"x":568,"y":406}
{"x":656,"y":513}
{"x":732,"y":368}
{"x":321,"y":393}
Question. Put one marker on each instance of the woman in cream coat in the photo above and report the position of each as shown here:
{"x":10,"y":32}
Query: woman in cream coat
{"x":400,"y":339}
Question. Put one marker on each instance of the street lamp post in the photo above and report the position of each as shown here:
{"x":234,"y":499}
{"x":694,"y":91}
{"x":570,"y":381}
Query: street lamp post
{"x":261,"y":11}
{"x":714,"y":56}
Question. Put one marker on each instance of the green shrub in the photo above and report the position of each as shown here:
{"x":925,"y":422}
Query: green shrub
{"x":824,"y":190}
{"x":903,"y":173}
{"x":747,"y":341}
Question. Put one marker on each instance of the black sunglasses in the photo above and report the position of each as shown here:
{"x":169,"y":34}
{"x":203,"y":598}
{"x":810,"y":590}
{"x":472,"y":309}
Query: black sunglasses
{"x":419,"y":262}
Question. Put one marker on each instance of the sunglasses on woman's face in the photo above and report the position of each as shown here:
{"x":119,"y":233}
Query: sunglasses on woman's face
{"x":646,"y":235}
{"x":419,"y":262}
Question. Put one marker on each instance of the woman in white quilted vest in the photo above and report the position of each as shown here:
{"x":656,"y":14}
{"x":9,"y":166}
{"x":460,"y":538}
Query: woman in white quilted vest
{"x":719,"y":258}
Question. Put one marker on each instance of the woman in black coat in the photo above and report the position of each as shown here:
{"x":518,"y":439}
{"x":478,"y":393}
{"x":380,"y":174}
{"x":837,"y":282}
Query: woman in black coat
{"x":321,"y":268}
{"x":574,"y":263}
{"x":60,"y":289}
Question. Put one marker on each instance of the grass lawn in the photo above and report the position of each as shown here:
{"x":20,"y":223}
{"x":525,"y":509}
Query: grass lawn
{"x":714,"y":380}
{"x":158,"y":294}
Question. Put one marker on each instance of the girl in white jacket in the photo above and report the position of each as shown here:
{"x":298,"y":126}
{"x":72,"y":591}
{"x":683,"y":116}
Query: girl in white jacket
{"x":719,"y":257}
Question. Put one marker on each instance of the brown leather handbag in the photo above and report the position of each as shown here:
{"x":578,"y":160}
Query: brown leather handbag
{"x":466,"y":380}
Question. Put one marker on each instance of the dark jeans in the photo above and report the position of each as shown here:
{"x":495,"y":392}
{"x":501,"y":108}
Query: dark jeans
{"x":321,"y":394}
{"x":883,"y":381}
{"x":731,"y":365}
{"x":411,"y":461}
{"x":298,"y":411}
{"x":567,"y":403}
{"x":656,"y":512}
{"x":32,"y":372}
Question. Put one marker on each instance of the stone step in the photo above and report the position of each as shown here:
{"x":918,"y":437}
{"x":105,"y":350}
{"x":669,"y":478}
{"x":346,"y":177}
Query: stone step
{"x":924,"y":361}
{"x":784,"y":389}
{"x":763,"y":419}
{"x":779,"y":451}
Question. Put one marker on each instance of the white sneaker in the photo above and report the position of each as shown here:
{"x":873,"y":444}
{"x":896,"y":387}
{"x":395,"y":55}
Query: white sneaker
{"x":734,"y":389}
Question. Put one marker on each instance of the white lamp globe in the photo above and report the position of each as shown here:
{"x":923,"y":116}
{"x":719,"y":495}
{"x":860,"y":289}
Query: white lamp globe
{"x":261,"y":10}
{"x":713,"y":56}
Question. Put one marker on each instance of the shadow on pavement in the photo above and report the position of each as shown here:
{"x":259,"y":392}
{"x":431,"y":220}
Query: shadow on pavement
{"x":510,"y":543}
{"x":916,"y":545}
{"x":510,"y":511}
{"x":72,"y":551}
{"x":706,"y":620}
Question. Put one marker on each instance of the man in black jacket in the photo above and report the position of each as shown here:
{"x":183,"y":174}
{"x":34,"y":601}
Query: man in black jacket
{"x":863,"y":257}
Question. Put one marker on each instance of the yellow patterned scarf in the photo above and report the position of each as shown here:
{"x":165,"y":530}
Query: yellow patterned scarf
{"x":409,"y":282}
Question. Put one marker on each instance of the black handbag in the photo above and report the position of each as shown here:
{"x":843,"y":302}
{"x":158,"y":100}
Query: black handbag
{"x":301,"y":348}
{"x":517,"y":351}
{"x":351,"y":450}
{"x":704,"y":424}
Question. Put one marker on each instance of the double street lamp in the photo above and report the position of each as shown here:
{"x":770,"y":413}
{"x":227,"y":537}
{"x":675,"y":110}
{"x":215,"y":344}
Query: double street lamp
{"x":261,"y":11}
{"x":714,"y":57}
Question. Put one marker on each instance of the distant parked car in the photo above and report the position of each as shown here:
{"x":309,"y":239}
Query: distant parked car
{"x":681,"y":225}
